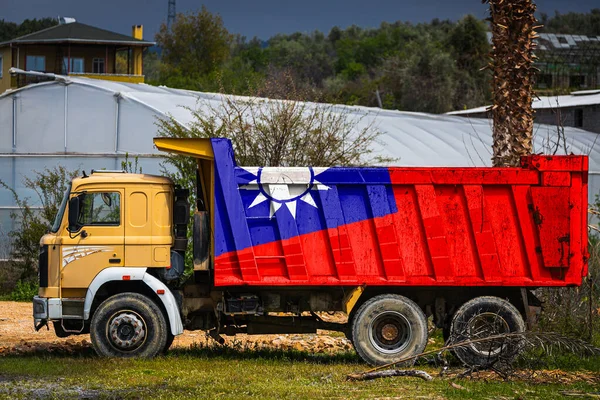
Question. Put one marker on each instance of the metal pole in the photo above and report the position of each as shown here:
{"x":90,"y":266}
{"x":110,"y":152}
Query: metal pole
{"x":14,"y":150}
{"x":66,"y":113}
{"x":117,"y":97}
{"x":14,"y":123}
{"x":378,"y":98}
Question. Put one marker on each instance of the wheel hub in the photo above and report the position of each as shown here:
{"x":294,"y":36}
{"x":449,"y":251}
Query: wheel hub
{"x":127,"y":331}
{"x":390,"y":332}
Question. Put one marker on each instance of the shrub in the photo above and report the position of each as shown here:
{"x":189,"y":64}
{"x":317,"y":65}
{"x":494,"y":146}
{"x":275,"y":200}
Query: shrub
{"x":33,"y":222}
{"x":24,"y":291}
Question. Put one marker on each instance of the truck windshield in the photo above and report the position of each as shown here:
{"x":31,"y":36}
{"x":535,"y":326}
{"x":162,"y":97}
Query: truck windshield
{"x":61,"y":211}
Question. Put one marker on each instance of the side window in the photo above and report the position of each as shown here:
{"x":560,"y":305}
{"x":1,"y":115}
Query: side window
{"x":100,"y":208}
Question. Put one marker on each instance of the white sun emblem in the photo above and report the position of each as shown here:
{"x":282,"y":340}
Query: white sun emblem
{"x":284,"y":186}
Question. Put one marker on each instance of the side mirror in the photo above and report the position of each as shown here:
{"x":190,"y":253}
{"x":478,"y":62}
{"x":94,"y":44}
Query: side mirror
{"x":73,"y":214}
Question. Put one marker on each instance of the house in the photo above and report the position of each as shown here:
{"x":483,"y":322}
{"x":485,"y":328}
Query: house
{"x":73,"y":48}
{"x":567,"y":61}
{"x":580,"y":109}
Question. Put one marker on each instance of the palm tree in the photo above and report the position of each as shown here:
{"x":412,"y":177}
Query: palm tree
{"x":513,"y":31}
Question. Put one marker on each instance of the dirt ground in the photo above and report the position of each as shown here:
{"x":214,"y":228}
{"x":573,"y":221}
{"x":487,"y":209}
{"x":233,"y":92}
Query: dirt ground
{"x":17,"y":335}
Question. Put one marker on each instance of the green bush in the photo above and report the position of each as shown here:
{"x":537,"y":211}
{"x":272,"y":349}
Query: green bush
{"x":24,"y":291}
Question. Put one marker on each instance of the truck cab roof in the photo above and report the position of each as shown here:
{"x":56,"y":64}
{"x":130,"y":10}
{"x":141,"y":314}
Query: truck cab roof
{"x":115,"y":177}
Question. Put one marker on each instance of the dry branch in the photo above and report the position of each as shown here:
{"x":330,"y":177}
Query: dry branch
{"x":388,"y":373}
{"x":545,"y":341}
{"x":579,"y":394}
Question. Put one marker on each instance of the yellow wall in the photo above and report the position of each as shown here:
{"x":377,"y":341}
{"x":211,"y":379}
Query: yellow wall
{"x":5,"y":53}
{"x":137,"y":31}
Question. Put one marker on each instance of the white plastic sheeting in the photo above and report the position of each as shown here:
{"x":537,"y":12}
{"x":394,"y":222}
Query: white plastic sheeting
{"x":575,"y":99}
{"x":91,"y":124}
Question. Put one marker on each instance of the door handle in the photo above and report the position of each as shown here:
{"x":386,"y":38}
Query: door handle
{"x":114,"y":260}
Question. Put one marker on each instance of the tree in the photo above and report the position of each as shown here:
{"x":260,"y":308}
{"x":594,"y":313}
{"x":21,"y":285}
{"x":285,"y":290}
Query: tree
{"x":275,"y":133}
{"x":469,"y":46}
{"x":151,"y":66}
{"x":11,"y":30}
{"x":573,"y":23}
{"x":422,"y":82}
{"x":513,"y":30}
{"x":308,"y":56}
{"x":197,"y":44}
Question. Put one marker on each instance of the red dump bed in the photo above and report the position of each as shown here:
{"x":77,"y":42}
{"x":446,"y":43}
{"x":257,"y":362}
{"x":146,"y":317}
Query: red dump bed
{"x":401,"y":226}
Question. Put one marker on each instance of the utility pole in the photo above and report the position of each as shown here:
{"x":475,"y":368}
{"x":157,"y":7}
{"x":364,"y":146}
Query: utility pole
{"x":171,"y":15}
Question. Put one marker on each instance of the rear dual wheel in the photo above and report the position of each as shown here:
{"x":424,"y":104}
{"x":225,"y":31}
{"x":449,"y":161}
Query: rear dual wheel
{"x":479,"y":319}
{"x":129,"y":325}
{"x":389,"y":328}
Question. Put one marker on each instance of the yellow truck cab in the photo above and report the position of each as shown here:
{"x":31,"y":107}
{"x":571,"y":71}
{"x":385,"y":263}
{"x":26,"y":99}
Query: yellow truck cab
{"x":118,"y":226}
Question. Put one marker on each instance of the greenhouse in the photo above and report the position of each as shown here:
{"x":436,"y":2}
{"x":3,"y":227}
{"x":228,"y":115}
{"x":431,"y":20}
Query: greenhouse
{"x":85,"y":124}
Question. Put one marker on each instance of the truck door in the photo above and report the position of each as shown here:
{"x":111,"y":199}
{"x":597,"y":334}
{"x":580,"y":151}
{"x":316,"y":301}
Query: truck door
{"x":99,"y":244}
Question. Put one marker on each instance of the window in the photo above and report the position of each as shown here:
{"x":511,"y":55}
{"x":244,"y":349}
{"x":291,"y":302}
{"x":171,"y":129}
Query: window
{"x":35,"y":63}
{"x":100,"y":208}
{"x":544,"y":81}
{"x":576,"y":81}
{"x":61,"y":211}
{"x":76,"y":65}
{"x":98,"y":65}
{"x":578,"y":118}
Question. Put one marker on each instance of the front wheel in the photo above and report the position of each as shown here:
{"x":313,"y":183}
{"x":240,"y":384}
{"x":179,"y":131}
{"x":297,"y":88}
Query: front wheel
{"x":389,"y":328}
{"x":128,"y":325}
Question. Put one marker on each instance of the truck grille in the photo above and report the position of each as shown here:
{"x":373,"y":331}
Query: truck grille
{"x":43,"y":266}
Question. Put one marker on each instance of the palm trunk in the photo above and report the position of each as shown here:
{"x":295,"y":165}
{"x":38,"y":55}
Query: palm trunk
{"x":513,"y":31}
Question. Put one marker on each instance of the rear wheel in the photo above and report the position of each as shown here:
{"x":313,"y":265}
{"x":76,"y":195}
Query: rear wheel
{"x":128,"y":325}
{"x":484,"y":317}
{"x":388,"y":328}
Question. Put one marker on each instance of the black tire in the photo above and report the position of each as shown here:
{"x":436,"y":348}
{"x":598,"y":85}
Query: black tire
{"x":481,"y":317}
{"x":170,"y":338}
{"x":128,"y":325}
{"x":388,"y":328}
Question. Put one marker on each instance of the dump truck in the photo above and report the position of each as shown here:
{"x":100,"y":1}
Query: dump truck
{"x":134,"y":260}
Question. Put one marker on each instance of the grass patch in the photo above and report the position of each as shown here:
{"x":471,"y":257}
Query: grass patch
{"x":240,"y":373}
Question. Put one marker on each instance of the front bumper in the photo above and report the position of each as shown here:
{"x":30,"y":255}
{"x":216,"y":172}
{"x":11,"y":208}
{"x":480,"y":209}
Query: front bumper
{"x":40,"y":312}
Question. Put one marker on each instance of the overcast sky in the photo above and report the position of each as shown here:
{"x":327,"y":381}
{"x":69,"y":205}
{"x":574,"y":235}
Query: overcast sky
{"x":263,"y":18}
